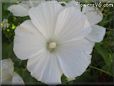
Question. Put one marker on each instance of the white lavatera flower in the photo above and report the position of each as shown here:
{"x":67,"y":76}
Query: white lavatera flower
{"x":22,"y":8}
{"x":57,"y":40}
{"x":7,"y":74}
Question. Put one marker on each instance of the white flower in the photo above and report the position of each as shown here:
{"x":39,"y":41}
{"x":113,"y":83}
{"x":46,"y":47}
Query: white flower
{"x":55,"y":42}
{"x":22,"y":8}
{"x":7,"y":74}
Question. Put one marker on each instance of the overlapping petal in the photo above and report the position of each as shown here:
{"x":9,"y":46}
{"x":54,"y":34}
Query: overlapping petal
{"x":71,"y":25}
{"x":74,"y":57}
{"x":97,"y":34}
{"x":44,"y":17}
{"x":75,"y":4}
{"x":45,"y":67}
{"x":93,"y":14}
{"x":28,"y":40}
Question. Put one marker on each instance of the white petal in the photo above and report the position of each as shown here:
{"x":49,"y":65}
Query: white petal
{"x":74,"y":4}
{"x":93,"y":14}
{"x":74,"y":57}
{"x":71,"y":24}
{"x":17,"y":79}
{"x":45,"y":68}
{"x":44,"y":17}
{"x":19,"y":10}
{"x":6,"y":70}
{"x":28,"y":40}
{"x":32,"y":3}
{"x":97,"y":34}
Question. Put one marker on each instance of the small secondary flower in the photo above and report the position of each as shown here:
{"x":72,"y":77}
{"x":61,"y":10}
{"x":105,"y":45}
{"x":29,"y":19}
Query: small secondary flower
{"x":22,"y":8}
{"x":7,"y":74}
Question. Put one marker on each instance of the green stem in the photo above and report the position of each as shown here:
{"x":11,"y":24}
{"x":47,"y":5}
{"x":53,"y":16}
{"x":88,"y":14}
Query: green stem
{"x":93,"y":67}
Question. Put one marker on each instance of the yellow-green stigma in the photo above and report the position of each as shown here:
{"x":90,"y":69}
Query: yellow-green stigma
{"x":51,"y":46}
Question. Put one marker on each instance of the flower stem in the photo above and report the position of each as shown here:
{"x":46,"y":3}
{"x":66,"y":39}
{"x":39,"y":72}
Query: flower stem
{"x":93,"y":67}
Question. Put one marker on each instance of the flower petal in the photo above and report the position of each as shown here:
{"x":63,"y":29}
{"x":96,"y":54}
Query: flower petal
{"x":19,"y":10}
{"x":97,"y":34}
{"x":6,"y":69}
{"x":17,"y":79}
{"x":28,"y":40}
{"x":74,"y":57}
{"x":93,"y":14}
{"x":45,"y":68}
{"x":74,"y":4}
{"x":44,"y":17}
{"x":71,"y":25}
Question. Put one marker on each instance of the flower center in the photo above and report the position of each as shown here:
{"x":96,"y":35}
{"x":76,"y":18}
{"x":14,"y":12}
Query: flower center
{"x":51,"y":46}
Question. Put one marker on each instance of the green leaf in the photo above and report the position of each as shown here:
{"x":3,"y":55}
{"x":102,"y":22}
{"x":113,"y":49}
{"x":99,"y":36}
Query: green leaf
{"x":110,"y":67}
{"x":64,"y":79}
{"x":107,"y":57}
{"x":101,"y":70}
{"x":104,"y":53}
{"x":7,"y":50}
{"x":28,"y":79}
